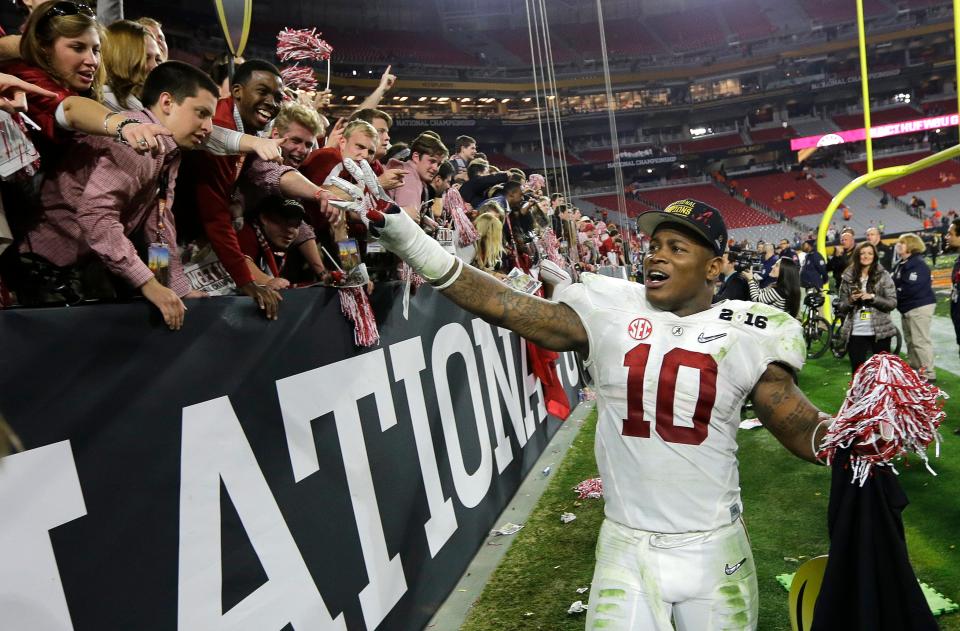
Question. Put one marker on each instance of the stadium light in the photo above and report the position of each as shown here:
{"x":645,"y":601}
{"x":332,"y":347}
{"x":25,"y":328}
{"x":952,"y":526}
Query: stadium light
{"x":526,"y":99}
{"x":504,"y":100}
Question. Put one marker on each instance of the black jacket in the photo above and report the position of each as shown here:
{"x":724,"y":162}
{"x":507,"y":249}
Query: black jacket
{"x":814,"y":270}
{"x":474,"y":191}
{"x":869,"y":584}
{"x":733,"y":288}
{"x":914,"y":287}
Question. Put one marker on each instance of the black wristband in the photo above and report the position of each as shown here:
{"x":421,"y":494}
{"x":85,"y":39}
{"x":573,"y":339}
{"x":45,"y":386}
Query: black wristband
{"x":124,"y":123}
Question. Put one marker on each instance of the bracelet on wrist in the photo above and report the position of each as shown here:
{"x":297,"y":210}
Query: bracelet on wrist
{"x":106,"y":120}
{"x":124,"y":123}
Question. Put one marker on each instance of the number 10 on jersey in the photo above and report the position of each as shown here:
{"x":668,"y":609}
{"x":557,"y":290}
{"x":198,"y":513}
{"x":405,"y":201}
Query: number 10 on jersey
{"x":636,"y":425}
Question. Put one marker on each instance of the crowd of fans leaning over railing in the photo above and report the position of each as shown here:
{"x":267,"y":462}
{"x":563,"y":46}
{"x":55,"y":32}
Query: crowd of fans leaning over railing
{"x":129,"y":175}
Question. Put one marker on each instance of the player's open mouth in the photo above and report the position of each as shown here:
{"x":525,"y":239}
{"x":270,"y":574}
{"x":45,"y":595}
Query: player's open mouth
{"x":656,"y":278}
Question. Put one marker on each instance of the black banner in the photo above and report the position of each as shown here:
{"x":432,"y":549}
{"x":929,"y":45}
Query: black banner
{"x":257,"y":475}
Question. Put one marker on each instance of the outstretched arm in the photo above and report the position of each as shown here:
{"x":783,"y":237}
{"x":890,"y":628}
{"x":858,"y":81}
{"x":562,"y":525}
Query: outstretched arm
{"x":552,"y":325}
{"x":785,"y":411}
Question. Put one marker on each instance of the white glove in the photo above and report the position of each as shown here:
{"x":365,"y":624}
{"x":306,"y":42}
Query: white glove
{"x":398,"y":233}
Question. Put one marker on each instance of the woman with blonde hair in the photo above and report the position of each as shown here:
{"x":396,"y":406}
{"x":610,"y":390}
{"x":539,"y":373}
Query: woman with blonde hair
{"x":129,"y":55}
{"x":60,"y":51}
{"x":489,"y":247}
{"x":916,"y":303}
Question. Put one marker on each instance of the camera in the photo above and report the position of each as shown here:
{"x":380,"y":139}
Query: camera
{"x":744,"y":261}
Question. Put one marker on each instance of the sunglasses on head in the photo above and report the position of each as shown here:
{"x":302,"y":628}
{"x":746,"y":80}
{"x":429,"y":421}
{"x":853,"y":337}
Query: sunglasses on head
{"x":62,"y":9}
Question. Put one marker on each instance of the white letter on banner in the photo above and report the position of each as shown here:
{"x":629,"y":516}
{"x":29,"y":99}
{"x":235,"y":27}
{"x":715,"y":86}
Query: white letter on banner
{"x":454,"y":339}
{"x":214,"y":447}
{"x":498,"y":382}
{"x":39,"y":490}
{"x":531,"y":386}
{"x":570,"y":363}
{"x":408,"y":362}
{"x":336,"y":388}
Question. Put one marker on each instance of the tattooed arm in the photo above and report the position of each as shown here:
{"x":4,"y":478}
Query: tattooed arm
{"x":552,"y":325}
{"x":785,"y":411}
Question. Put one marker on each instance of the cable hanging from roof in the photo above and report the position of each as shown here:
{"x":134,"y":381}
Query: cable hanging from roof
{"x":611,"y":115}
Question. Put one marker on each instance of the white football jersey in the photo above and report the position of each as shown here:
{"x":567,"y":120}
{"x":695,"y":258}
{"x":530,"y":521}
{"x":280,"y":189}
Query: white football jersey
{"x":669,"y":392}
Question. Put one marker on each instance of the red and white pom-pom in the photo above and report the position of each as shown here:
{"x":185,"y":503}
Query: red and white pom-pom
{"x":299,"y":77}
{"x":551,"y":247}
{"x":889,"y":411}
{"x":302,"y":45}
{"x":590,"y":489}
{"x":466,"y":231}
{"x":355,"y":304}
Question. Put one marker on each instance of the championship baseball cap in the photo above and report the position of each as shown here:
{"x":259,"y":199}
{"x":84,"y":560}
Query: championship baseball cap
{"x":704,"y":220}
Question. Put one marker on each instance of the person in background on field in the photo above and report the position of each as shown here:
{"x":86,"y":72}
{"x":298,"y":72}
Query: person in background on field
{"x":916,"y":302}
{"x":867,"y":296}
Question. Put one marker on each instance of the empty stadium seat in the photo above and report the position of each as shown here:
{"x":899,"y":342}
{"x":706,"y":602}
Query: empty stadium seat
{"x":943,"y":175}
{"x":880,"y":117}
{"x":810,"y":197}
{"x":772,"y":133}
{"x":735,"y":213}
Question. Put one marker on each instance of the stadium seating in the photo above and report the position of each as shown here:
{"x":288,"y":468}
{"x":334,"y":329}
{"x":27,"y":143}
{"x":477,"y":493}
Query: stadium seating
{"x":609,"y":202}
{"x":940,"y":106}
{"x":736,"y":214}
{"x":880,"y":117}
{"x":834,"y":12}
{"x":770,"y":191}
{"x":692,"y":29}
{"x":864,"y":204}
{"x":943,"y":175}
{"x":712,"y":143}
{"x":747,"y":20}
{"x":504,"y":162}
{"x":393,"y":46}
{"x":771,"y":134}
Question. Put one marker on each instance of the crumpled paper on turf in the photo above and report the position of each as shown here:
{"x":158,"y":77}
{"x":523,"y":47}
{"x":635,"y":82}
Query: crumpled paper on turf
{"x":577,"y":607}
{"x":508,"y":528}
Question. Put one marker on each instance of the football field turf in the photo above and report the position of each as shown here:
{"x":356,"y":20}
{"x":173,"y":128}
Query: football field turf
{"x":785,"y":508}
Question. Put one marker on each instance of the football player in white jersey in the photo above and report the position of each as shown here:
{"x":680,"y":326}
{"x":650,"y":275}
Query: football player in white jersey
{"x":671,"y":371}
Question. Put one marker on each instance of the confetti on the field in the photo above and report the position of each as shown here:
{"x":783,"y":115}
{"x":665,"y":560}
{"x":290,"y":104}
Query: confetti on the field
{"x":567,"y":517}
{"x":583,"y":590}
{"x":592,"y":489}
{"x":507,"y":529}
{"x":750,"y":423}
{"x":889,"y":411}
{"x":577,"y":607}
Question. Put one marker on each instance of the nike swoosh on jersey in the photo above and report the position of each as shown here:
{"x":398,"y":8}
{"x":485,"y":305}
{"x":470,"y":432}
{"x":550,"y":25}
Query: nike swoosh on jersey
{"x":730,"y":569}
{"x":703,"y":339}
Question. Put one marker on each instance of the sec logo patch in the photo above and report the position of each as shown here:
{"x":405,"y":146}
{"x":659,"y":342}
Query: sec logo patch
{"x":640,"y":329}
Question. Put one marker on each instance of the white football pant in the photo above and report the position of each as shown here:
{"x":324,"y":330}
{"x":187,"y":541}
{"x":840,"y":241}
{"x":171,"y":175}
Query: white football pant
{"x":702,"y":581}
